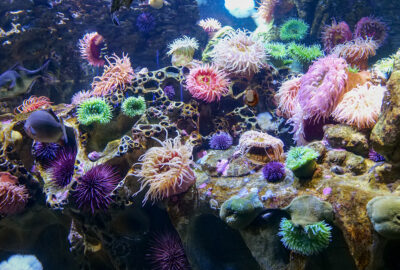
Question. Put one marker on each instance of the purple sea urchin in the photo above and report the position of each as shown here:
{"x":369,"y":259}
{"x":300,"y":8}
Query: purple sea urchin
{"x":169,"y":91}
{"x":95,"y":186}
{"x":220,"y":141}
{"x":45,"y":153}
{"x":145,"y":22}
{"x":62,"y":168}
{"x":273,"y":171}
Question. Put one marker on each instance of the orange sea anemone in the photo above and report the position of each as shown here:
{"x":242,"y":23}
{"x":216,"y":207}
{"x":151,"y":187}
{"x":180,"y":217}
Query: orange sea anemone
{"x":90,"y":47}
{"x":356,"y":52}
{"x":210,"y":25}
{"x":116,"y":75}
{"x":207,"y":83}
{"x":166,"y":169}
{"x":286,"y":97}
{"x":266,"y":10}
{"x":361,"y":106}
{"x":33,"y":103}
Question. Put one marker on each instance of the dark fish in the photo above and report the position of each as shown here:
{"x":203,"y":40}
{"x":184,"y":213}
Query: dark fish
{"x":45,"y":126}
{"x":115,"y":19}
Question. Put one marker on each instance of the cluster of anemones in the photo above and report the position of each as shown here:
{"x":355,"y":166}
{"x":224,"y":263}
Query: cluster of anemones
{"x":32,"y":104}
{"x":90,"y":47}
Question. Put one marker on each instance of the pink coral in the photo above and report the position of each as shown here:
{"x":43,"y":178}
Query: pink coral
{"x":322,"y":87}
{"x":371,"y":28}
{"x":287,"y":97}
{"x":337,"y":33}
{"x":207,"y":83}
{"x":90,"y":47}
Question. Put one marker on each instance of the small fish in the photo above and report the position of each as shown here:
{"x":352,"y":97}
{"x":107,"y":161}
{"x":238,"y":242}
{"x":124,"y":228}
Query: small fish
{"x":45,"y":126}
{"x":115,"y":19}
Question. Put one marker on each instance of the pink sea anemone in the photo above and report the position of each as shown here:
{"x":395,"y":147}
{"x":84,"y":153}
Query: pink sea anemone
{"x":80,"y":97}
{"x":322,"y":87}
{"x":266,"y":10}
{"x":361,"y":106}
{"x":207,"y":83}
{"x":371,"y":28}
{"x":210,"y":25}
{"x":356,"y":52}
{"x":13,"y":197}
{"x":90,"y":47}
{"x":334,"y":34}
{"x":287,"y":97}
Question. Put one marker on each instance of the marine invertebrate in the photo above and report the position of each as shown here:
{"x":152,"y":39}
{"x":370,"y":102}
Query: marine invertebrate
{"x":239,"y":53}
{"x":220,"y":141}
{"x":360,"y":106}
{"x":375,"y":156}
{"x":322,"y":87}
{"x":287,"y":97}
{"x":133,"y":106}
{"x":307,"y":240}
{"x":145,"y":22}
{"x":293,"y":29}
{"x":166,"y":252}
{"x":240,"y":8}
{"x":276,"y":50}
{"x":273,"y":171}
{"x":45,"y":153}
{"x":21,"y":262}
{"x":94,"y":110}
{"x":169,"y":91}
{"x":251,"y":97}
{"x":210,"y":25}
{"x":165,"y":170}
{"x":94,"y":188}
{"x":80,"y":97}
{"x":62,"y":168}
{"x":207,"y":83}
{"x":335,"y":34}
{"x":302,"y":161}
{"x":304,"y":54}
{"x":90,"y":47}
{"x":384,"y":65}
{"x":117,"y":74}
{"x":371,"y":28}
{"x":13,"y":197}
{"x":182,"y":50}
{"x":265,"y":10}
{"x":259,"y":147}
{"x":353,"y":69}
{"x":356,"y":52}
{"x":32,"y":104}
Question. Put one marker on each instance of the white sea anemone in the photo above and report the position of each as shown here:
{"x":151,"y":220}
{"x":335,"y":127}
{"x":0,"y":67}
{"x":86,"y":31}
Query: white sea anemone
{"x":240,"y":8}
{"x":210,"y":25}
{"x":182,"y":50}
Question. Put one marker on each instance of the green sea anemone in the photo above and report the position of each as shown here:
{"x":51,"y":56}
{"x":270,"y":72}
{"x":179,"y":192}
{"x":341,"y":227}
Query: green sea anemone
{"x":301,"y":160}
{"x":307,"y":240}
{"x":385,"y":65}
{"x":293,"y":29}
{"x":353,"y":69}
{"x":276,"y":50}
{"x":303,"y":53}
{"x":133,"y":106}
{"x":94,"y":110}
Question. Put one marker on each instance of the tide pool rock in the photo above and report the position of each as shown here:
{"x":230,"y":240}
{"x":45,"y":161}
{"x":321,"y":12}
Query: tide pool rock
{"x":384,"y":213}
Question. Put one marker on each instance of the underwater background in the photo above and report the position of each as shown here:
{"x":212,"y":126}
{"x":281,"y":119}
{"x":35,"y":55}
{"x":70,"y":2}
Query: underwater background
{"x":199,"y":134}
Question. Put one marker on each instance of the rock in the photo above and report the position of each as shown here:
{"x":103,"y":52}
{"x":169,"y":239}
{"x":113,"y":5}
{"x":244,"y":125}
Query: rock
{"x":238,"y":212}
{"x":355,"y":164}
{"x":320,"y":148}
{"x":384,"y":213}
{"x":342,"y":136}
{"x":336,"y":157}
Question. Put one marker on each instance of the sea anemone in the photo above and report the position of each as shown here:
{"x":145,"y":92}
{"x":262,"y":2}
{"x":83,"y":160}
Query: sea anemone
{"x":293,"y":29}
{"x":32,"y":104}
{"x":133,"y":106}
{"x":146,"y":22}
{"x":13,"y":198}
{"x":303,"y":53}
{"x":273,"y":171}
{"x":221,"y":141}
{"x":94,"y":110}
{"x":166,"y":252}
{"x":276,"y":50}
{"x":307,"y":241}
{"x":302,"y":161}
{"x":166,"y":169}
{"x":239,"y":53}
{"x":352,"y":69}
{"x":322,"y":87}
{"x":80,"y":97}
{"x":116,"y":75}
{"x":286,"y":97}
{"x":375,"y":156}
{"x":210,"y":25}
{"x":94,"y":188}
{"x":207,"y":83}
{"x":45,"y":153}
{"x":90,"y":47}
{"x":385,"y":65}
{"x":259,"y":147}
{"x":361,"y":106}
{"x":169,"y":91}
{"x":182,"y":50}
{"x":371,"y":28}
{"x":335,"y":34}
{"x":356,"y":52}
{"x":62,"y":168}
{"x":21,"y":262}
{"x":266,"y":10}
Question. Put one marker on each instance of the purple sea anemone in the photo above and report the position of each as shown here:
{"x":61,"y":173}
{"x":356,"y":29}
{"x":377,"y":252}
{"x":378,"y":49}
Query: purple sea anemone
{"x":273,"y":171}
{"x":220,"y":141}
{"x":169,"y":91}
{"x":371,"y":28}
{"x":62,"y":168}
{"x":375,"y":156}
{"x":337,"y":33}
{"x":145,"y":22}
{"x":95,"y":186}
{"x":45,"y":153}
{"x":166,"y":252}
